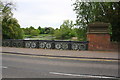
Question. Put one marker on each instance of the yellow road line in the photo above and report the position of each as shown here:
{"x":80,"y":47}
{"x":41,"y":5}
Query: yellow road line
{"x":83,"y":59}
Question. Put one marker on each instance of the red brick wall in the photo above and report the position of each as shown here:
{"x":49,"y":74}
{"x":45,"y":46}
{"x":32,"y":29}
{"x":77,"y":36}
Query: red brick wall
{"x":100,"y":42}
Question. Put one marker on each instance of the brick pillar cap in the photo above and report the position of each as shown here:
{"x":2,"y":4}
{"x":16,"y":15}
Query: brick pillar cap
{"x":98,"y":24}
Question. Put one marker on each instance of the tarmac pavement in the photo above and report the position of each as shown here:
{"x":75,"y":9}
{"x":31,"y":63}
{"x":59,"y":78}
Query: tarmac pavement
{"x":63,"y":53}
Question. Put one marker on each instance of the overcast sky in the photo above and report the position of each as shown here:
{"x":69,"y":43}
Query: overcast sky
{"x":44,"y":13}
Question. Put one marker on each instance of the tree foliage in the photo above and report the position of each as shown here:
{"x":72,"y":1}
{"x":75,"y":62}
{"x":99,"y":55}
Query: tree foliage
{"x":80,"y":34}
{"x":109,"y":12}
{"x":31,"y":31}
{"x":65,"y":31}
{"x":10,"y":27}
{"x":35,"y":32}
{"x":46,"y":30}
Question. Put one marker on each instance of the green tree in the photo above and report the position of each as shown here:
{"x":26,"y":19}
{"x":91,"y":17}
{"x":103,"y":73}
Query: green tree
{"x":28,"y":30}
{"x":88,"y":12}
{"x":40,"y":29}
{"x":65,"y":31}
{"x":10,"y":27}
{"x":35,"y":32}
{"x":46,"y":30}
{"x":80,"y":34}
{"x":32,"y":28}
{"x":49,"y":30}
{"x":58,"y":34}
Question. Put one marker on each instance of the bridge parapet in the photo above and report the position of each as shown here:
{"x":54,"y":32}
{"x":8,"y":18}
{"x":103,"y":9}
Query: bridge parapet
{"x":47,"y":44}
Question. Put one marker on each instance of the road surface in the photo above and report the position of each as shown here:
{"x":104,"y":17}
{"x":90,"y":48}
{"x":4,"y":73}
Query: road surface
{"x":28,"y":66}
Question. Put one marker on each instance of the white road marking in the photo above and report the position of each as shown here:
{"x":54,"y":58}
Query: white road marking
{"x":76,"y":75}
{"x":4,"y":67}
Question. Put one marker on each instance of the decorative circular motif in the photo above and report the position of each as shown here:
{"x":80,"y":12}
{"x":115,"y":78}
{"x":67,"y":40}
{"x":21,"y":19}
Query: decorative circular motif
{"x":82,"y":47}
{"x":48,"y":45}
{"x":41,"y":45}
{"x":14,"y":44}
{"x":45,"y":44}
{"x":27,"y":44}
{"x":7,"y":43}
{"x":19,"y":45}
{"x":3,"y":43}
{"x":64,"y":46}
{"x":58,"y":46}
{"x":74,"y":46}
{"x":33,"y":45}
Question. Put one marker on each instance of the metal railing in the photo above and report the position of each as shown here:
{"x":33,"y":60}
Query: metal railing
{"x":46,"y":44}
